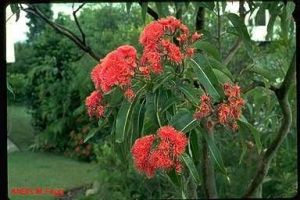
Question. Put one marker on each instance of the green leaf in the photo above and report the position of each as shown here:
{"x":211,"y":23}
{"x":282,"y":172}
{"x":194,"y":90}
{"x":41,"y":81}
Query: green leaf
{"x":123,"y":120}
{"x":208,"y":5}
{"x":192,"y":94}
{"x":128,"y":6}
{"x":244,"y":150}
{"x":204,"y":80}
{"x":161,"y":80}
{"x":215,"y":153}
{"x":10,"y":88}
{"x":209,"y":48}
{"x":194,"y":146}
{"x":241,"y":28}
{"x":192,"y":168}
{"x":138,"y":119}
{"x":150,"y":124}
{"x":174,"y":178}
{"x":91,"y":134}
{"x":219,"y":66}
{"x":221,"y":76}
{"x":144,"y":10}
{"x":254,"y":132}
{"x":263,"y":72}
{"x":15,"y":10}
{"x":183,"y":120}
{"x":159,"y":9}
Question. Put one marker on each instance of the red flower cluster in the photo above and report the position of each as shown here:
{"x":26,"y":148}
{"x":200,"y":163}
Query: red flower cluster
{"x":156,"y":40}
{"x":116,"y":69}
{"x":205,"y":107}
{"x":165,"y":155}
{"x":93,"y":104}
{"x":227,"y":112}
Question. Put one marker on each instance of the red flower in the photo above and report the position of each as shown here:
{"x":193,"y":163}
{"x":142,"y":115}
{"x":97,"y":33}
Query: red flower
{"x":189,"y":52}
{"x":165,"y":155}
{"x":204,"y":109}
{"x":93,"y":104}
{"x":151,"y":34}
{"x":176,"y":139}
{"x":117,"y":68}
{"x":223,"y":113}
{"x":172,"y":51}
{"x":156,"y":41}
{"x":196,"y":36}
{"x":140,"y":152}
{"x":153,"y":59}
{"x":129,"y":94}
{"x":231,"y":90}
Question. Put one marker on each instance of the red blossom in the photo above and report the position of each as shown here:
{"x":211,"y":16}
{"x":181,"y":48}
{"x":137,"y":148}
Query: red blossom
{"x":196,"y":36}
{"x":129,"y":94}
{"x":172,"y":51}
{"x":223,"y":113}
{"x":231,"y":90}
{"x":164,"y":156}
{"x":204,"y":109}
{"x":93,"y":104}
{"x":140,"y":152}
{"x":116,"y":69}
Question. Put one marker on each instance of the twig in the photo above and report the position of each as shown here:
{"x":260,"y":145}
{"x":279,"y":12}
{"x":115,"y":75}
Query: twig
{"x":62,"y":30}
{"x":282,"y":96}
{"x":151,"y":12}
{"x":77,"y":23}
{"x":233,"y":51}
{"x":238,"y":43}
{"x":219,"y":27}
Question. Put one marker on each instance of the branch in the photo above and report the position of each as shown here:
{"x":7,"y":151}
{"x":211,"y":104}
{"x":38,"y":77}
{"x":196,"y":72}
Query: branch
{"x":200,"y":19}
{"x":208,"y":170}
{"x":62,"y":30}
{"x":233,"y":51}
{"x":151,"y":12}
{"x":282,"y":96}
{"x":238,"y":43}
{"x":77,"y":23}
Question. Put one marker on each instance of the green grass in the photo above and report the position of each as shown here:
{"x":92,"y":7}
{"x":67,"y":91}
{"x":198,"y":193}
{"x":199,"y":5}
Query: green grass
{"x":37,"y":169}
{"x":45,"y":170}
{"x":19,"y":126}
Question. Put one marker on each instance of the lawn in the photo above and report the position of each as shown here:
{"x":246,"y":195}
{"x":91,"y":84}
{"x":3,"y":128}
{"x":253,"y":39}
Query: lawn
{"x":45,"y":170}
{"x":19,"y":126}
{"x":28,"y":169}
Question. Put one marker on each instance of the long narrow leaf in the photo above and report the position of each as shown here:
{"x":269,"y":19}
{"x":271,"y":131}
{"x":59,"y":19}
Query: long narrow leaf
{"x":192,"y":168}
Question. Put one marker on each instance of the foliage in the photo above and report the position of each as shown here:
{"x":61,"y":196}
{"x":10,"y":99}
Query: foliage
{"x":59,"y":83}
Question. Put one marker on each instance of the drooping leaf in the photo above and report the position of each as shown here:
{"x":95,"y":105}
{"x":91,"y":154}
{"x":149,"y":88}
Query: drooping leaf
{"x":214,"y":151}
{"x":144,"y":10}
{"x":194,"y":146}
{"x":192,"y":94}
{"x":192,"y":168}
{"x":122,"y":120}
{"x":161,"y":80}
{"x":128,"y":6}
{"x":255,"y":133}
{"x":10,"y":88}
{"x":219,"y":66}
{"x":15,"y":10}
{"x":209,"y":48}
{"x":150,"y":124}
{"x":205,"y":80}
{"x":183,"y":120}
{"x":91,"y":134}
{"x":241,"y":29}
